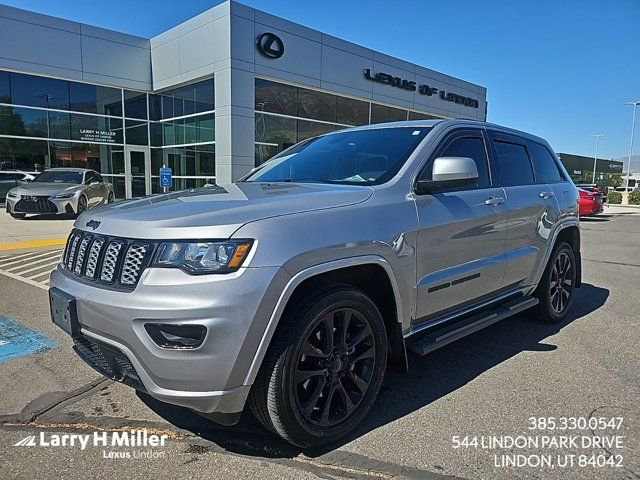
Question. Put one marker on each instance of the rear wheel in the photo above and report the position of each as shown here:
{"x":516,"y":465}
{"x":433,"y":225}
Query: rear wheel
{"x":557,"y":286}
{"x":324,"y":368}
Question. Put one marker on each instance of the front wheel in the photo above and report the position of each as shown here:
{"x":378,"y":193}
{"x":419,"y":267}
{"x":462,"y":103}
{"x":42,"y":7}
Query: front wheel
{"x":18,"y":215}
{"x":324,"y":368}
{"x":82,"y":205}
{"x":557,"y":286}
{"x":110,"y":198}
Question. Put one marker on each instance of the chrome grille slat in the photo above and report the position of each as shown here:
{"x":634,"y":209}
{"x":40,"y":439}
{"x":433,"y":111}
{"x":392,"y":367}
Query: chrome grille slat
{"x":72,"y":251}
{"x":118,"y":262}
{"x":92,"y":260}
{"x":80,"y":255}
{"x":132,"y":263}
{"x":110,"y":261}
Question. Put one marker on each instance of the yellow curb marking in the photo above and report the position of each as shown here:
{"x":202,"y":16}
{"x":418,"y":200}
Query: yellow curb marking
{"x":49,"y":242}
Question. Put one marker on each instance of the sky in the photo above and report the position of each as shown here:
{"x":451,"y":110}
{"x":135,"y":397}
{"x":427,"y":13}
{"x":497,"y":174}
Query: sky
{"x":560,"y":69}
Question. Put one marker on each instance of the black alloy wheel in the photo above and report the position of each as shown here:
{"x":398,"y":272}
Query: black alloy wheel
{"x":556,"y":289}
{"x":324,"y":367}
{"x":561,"y":284}
{"x":335,"y":365}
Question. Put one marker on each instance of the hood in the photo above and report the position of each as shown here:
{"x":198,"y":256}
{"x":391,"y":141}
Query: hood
{"x":215,"y":212}
{"x":46,"y":188}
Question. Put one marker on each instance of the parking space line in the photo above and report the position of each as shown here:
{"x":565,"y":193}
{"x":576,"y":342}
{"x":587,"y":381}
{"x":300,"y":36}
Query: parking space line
{"x":18,"y":268}
{"x":22,"y":268}
{"x":13,"y":261}
{"x":51,"y":264}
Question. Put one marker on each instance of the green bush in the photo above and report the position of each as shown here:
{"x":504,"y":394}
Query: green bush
{"x":614,"y":198}
{"x":634,"y":197}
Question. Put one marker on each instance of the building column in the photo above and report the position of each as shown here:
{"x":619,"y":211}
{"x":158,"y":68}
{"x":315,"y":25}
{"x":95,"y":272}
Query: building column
{"x":235,"y":124}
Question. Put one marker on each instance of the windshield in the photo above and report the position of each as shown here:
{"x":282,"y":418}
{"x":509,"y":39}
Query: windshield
{"x":60,"y":176}
{"x":356,"y":157}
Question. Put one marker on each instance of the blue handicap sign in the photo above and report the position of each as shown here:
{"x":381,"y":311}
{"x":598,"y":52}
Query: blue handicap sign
{"x":166,"y":179}
{"x":18,"y":341}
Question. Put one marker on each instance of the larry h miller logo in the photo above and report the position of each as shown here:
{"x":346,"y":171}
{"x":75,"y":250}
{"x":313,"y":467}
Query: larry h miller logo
{"x":115,"y":445}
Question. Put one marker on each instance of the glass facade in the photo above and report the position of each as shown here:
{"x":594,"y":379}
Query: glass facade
{"x":286,"y":114}
{"x":47,"y":122}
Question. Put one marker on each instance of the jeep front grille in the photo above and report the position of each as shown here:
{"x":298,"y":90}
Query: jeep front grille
{"x":110,"y":261}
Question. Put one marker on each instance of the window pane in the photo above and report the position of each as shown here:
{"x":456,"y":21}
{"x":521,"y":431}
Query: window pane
{"x":264,"y":153}
{"x":136,"y":133}
{"x":471,"y":147}
{"x":29,"y":122}
{"x":352,"y":112}
{"x":379,"y":113}
{"x":206,"y":160}
{"x":397,"y":115}
{"x":39,"y":91}
{"x":279,"y":130}
{"x":316,"y":105}
{"x":95,"y":99}
{"x":7,"y":120}
{"x":421,"y":116}
{"x":28,"y":155}
{"x":515,"y":167}
{"x":77,"y":155}
{"x":135,"y":104}
{"x":59,"y":125}
{"x":276,"y":97}
{"x":307,"y":129}
{"x":5,"y":92}
{"x":546,"y":167}
{"x":88,"y":128}
{"x":206,"y":128}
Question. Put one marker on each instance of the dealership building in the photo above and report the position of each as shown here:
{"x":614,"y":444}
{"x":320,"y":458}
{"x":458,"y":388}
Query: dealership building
{"x":580,"y":168}
{"x":210,"y":98}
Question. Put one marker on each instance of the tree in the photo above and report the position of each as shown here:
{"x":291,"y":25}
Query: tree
{"x":616,"y":180}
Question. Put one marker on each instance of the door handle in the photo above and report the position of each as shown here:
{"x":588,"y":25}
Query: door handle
{"x":546,"y":195}
{"x":494,"y":201}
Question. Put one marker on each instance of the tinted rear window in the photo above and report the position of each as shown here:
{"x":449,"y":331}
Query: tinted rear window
{"x":546,"y":167}
{"x":515,"y":166}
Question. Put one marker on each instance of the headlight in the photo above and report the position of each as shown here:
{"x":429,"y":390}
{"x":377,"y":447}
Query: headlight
{"x":202,"y":257}
{"x":64,"y":195}
{"x":12,"y":194}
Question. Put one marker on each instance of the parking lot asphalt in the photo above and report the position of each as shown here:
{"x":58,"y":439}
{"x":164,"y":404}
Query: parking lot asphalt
{"x":33,"y":231}
{"x":490,"y":383}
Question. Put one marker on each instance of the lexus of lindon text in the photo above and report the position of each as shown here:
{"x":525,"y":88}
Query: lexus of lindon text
{"x":290,"y":292}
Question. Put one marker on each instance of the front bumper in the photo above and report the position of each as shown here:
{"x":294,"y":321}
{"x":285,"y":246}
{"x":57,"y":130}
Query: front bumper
{"x":235,"y":309}
{"x":52,"y":206}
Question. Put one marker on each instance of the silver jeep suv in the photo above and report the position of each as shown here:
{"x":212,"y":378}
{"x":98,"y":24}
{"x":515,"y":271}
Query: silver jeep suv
{"x":294,"y":289}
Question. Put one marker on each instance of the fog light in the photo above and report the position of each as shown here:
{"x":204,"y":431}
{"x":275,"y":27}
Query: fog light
{"x":176,"y":336}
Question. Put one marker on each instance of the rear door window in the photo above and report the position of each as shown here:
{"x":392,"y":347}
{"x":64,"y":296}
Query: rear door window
{"x":515,"y":166}
{"x":545,"y":165}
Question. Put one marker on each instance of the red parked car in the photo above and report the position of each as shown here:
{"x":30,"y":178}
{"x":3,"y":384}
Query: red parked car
{"x":590,"y":202}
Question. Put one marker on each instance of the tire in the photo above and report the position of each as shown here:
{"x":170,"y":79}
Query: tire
{"x":82,"y":205}
{"x":292,"y":402}
{"x":556,"y":295}
{"x":18,"y":215}
{"x":110,"y":198}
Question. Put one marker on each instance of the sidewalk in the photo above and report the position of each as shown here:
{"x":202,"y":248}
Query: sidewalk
{"x":33,"y":231}
{"x":621,"y":209}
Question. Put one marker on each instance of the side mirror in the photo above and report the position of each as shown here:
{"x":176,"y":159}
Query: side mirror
{"x":449,"y":172}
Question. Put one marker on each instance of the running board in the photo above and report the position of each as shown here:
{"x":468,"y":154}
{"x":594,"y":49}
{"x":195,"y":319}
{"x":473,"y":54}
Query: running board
{"x":462,"y":328}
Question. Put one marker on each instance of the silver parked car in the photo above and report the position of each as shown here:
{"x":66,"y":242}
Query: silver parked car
{"x":60,"y":190}
{"x":294,"y":289}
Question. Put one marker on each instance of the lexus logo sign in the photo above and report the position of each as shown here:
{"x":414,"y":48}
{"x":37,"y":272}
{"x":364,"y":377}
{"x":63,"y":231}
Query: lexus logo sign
{"x":270,"y":45}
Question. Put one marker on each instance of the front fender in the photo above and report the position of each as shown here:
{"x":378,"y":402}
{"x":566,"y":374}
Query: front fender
{"x":300,"y":277}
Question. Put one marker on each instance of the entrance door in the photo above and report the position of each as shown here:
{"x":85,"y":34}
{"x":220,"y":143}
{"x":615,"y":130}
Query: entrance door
{"x":137,"y":172}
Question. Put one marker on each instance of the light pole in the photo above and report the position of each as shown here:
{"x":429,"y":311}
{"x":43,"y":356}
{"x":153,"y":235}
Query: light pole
{"x":595,"y":158}
{"x":633,"y":128}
